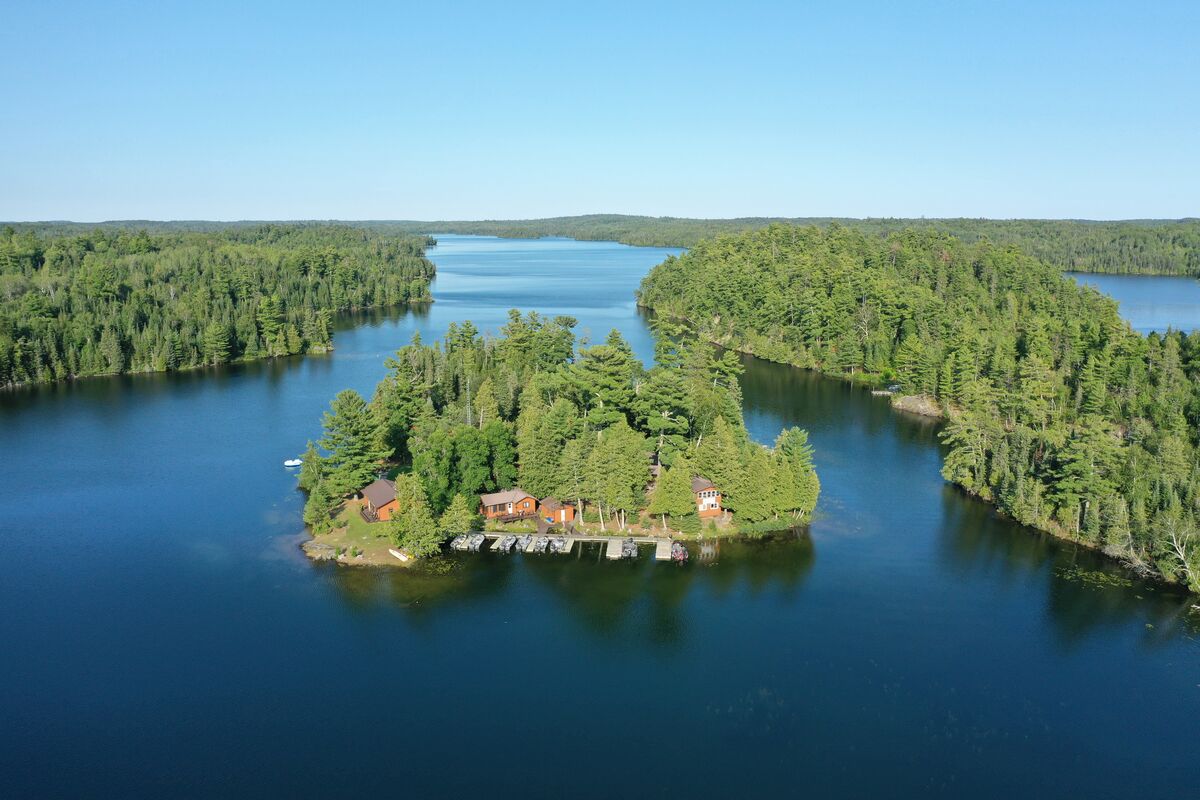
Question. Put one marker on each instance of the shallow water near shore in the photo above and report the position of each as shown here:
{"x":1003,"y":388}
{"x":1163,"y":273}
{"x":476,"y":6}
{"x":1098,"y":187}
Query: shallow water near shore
{"x":164,"y":634}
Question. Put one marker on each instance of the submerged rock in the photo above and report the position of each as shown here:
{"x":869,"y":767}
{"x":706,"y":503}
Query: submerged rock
{"x":319,"y":551}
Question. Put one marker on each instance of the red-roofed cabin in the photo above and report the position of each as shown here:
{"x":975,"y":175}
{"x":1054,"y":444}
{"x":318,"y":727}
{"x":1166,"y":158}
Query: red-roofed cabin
{"x":708,"y":498}
{"x":556,"y":512}
{"x":509,"y":503}
{"x":379,"y":500}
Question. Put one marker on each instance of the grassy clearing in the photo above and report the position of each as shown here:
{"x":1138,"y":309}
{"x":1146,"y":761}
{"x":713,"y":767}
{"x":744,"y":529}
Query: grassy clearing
{"x":356,"y":541}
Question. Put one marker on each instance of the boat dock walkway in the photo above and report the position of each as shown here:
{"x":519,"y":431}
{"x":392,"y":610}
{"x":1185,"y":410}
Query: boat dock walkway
{"x":611,"y":544}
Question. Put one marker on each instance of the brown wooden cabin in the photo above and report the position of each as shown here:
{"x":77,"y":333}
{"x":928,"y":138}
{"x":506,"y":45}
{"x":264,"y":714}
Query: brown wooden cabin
{"x":556,"y":512}
{"x":514,"y":503}
{"x":379,"y":501}
{"x":708,"y":498}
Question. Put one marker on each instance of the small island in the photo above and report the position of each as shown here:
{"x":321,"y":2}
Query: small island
{"x":527,"y":433}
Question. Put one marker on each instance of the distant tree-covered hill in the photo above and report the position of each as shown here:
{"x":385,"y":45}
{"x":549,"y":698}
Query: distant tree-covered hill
{"x":1150,"y":247}
{"x":1134,"y":247}
{"x":78,"y":300}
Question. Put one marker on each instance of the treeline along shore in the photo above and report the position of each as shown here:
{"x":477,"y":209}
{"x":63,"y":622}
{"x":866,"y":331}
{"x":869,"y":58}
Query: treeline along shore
{"x":78,"y":301}
{"x":1133,"y":247}
{"x":1145,"y":247}
{"x":1058,"y":412}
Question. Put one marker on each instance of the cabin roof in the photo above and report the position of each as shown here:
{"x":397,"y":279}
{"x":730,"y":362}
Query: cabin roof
{"x":507,"y":496}
{"x":380,"y":493}
{"x":702,"y":484}
{"x":550,"y":503}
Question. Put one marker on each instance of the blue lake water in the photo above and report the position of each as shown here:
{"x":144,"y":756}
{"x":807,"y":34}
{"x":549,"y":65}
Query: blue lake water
{"x":163,"y":635}
{"x":1151,"y":303}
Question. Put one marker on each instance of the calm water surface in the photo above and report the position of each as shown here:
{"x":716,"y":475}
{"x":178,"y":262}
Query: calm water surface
{"x":162,"y":633}
{"x":1151,"y":303}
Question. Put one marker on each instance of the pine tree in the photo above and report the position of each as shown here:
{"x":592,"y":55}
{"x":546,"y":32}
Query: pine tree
{"x":433,"y":464}
{"x":319,"y":508}
{"x":216,"y":344}
{"x":113,"y":353}
{"x":1117,"y":538}
{"x":312,"y":470}
{"x":502,"y":453}
{"x":472,"y":463}
{"x":661,"y":408}
{"x":352,"y":441}
{"x":618,"y":470}
{"x":413,"y":527}
{"x":398,"y":401}
{"x":605,"y":376}
{"x":672,"y":495}
{"x":537,"y":455}
{"x":487,"y":409}
{"x":459,"y":517}
{"x":573,"y":472}
{"x":792,"y":445}
{"x":718,"y":456}
{"x":752,"y":496}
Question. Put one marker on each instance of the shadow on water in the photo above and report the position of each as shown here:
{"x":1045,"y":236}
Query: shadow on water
{"x":640,"y":598}
{"x":440,"y":584}
{"x":880,"y":477}
{"x":1086,"y":591}
{"x":375,"y":317}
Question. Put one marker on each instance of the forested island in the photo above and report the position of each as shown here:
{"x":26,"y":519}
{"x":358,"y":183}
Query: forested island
{"x":1144,"y":247}
{"x":1058,"y":412}
{"x":588,"y":432}
{"x":84,"y":301}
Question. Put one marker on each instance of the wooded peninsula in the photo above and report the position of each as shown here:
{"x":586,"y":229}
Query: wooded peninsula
{"x":1059,"y":413}
{"x":527,"y":424}
{"x":77,"y":301}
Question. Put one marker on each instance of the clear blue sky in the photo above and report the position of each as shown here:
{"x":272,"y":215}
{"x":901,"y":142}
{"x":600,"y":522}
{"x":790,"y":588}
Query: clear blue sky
{"x":288,"y":110}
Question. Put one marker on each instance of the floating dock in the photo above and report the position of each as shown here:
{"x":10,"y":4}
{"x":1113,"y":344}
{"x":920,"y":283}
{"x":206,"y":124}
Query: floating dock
{"x":662,"y":550}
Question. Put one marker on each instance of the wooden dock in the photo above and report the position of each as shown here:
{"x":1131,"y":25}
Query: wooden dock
{"x":611,"y":544}
{"x":662,"y":550}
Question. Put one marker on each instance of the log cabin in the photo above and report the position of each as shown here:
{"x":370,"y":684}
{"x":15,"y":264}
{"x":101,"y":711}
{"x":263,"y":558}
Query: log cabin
{"x":708,"y":498}
{"x":379,"y":501}
{"x":515,"y":502}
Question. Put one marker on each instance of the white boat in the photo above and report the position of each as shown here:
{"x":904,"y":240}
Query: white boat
{"x":293,"y":462}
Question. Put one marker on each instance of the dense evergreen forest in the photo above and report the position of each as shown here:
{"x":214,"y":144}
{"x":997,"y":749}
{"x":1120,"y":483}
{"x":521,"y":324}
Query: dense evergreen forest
{"x":97,"y":301}
{"x":1135,"y":247}
{"x":475,"y":414}
{"x":1150,"y":247}
{"x":1058,"y":412}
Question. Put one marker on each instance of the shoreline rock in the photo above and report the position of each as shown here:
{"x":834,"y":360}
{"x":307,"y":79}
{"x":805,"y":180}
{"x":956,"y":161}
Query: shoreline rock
{"x":921,"y":404}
